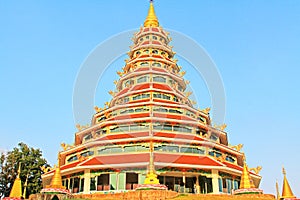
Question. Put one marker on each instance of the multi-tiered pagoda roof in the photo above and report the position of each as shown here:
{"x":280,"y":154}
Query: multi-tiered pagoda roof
{"x":151,"y":123}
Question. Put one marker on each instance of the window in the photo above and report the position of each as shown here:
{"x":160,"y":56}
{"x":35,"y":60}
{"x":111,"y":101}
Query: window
{"x":157,"y":95}
{"x":174,"y":111}
{"x":104,"y":150}
{"x":87,"y":153}
{"x":137,"y":97}
{"x":144,"y":96}
{"x":144,"y":64}
{"x":156,"y":64}
{"x":180,"y":88}
{"x":115,"y":129}
{"x":137,"y":53}
{"x":176,"y":100}
{"x":141,"y":39}
{"x":126,"y":99}
{"x":159,"y":79}
{"x":128,"y":83}
{"x":88,"y":137}
{"x":116,"y":149}
{"x":155,"y":52}
{"x":164,"y":96}
{"x":213,"y":137}
{"x":72,"y":158}
{"x":167,"y":127}
{"x":154,"y":37}
{"x":159,"y":109}
{"x":142,"y":79}
{"x":230,"y":159}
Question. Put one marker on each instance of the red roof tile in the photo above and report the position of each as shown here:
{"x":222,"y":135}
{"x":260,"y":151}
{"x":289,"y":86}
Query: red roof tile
{"x":185,"y":159}
{"x":117,"y":159}
{"x":162,"y":86}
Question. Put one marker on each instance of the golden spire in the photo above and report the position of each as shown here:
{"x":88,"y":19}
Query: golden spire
{"x":246,"y":181}
{"x":277,"y":191}
{"x":151,"y":19}
{"x":56,"y":181}
{"x":286,"y":189}
{"x":16,"y":191}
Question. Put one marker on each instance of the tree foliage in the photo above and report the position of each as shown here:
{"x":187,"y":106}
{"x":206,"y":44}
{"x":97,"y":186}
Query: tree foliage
{"x":31,"y":162}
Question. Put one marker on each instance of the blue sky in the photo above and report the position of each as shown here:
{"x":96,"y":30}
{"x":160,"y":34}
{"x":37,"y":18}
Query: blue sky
{"x":255,"y":45}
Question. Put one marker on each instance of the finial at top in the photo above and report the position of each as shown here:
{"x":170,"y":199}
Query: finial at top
{"x":151,"y":19}
{"x":283,"y":171}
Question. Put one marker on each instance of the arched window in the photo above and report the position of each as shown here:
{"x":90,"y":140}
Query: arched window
{"x":143,"y":79}
{"x":144,"y":64}
{"x":159,"y":79}
{"x":128,"y":83}
{"x":137,"y":53}
{"x":155,"y":52}
{"x":154,"y":37}
{"x":156,"y":64}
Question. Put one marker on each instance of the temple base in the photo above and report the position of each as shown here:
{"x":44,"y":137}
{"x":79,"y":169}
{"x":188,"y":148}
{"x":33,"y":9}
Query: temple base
{"x":248,"y":191}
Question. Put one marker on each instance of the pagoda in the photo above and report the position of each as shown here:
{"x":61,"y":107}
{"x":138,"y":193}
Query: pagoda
{"x":16,"y":190}
{"x":150,"y":133}
{"x":287,"y":193}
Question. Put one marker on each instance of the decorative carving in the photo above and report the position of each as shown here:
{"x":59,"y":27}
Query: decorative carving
{"x":120,"y":73}
{"x":66,"y":146}
{"x":182,"y":73}
{"x":206,"y":110}
{"x":237,"y":147}
{"x":81,"y":127}
{"x":115,"y":82}
{"x":256,"y":170}
{"x":46,"y":169}
{"x":107,"y":114}
{"x":80,"y":157}
{"x":112,"y":93}
{"x":97,"y":109}
{"x":94,"y":135}
{"x":106,"y":104}
{"x":222,"y":158}
{"x":189,"y":93}
{"x":221,"y":127}
{"x":187,"y":82}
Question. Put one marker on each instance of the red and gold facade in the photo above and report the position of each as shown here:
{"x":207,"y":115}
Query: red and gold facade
{"x":151,"y":124}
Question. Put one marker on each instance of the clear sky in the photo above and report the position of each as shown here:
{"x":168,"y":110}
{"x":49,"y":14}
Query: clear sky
{"x":255,"y":45}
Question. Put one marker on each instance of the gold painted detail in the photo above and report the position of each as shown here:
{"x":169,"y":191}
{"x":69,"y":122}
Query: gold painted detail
{"x":256,"y":170}
{"x":66,"y":146}
{"x":220,"y":127}
{"x":46,"y":169}
{"x":112,"y":93}
{"x":81,"y":127}
{"x":286,"y":188}
{"x":151,"y":178}
{"x":16,"y":191}
{"x":246,"y":181}
{"x":206,"y":110}
{"x":237,"y":147}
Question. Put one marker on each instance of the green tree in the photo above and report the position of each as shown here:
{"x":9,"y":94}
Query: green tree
{"x":31,"y":161}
